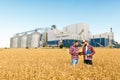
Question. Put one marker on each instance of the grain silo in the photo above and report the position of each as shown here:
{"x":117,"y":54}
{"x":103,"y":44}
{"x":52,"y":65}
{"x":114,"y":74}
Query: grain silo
{"x":29,"y":40}
{"x":11,"y":42}
{"x":15,"y":41}
{"x":35,"y":39}
{"x":24,"y":40}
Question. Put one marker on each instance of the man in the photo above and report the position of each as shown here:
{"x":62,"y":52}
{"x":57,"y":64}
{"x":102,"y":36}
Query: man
{"x":74,"y":51}
{"x":88,"y":52}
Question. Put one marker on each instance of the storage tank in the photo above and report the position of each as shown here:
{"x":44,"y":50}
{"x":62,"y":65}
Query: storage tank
{"x":24,"y":40}
{"x":11,"y":42}
{"x":29,"y":40}
{"x":15,"y":41}
{"x":35,"y":39}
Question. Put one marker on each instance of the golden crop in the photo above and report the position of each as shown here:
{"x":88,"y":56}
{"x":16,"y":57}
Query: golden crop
{"x":54,"y":64}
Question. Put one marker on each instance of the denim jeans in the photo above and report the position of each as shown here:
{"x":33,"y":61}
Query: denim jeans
{"x":74,"y":62}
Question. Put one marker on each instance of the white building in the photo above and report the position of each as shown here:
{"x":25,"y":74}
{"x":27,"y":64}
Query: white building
{"x":52,"y":34}
{"x":69,"y":34}
{"x":81,"y":29}
{"x":109,"y":36}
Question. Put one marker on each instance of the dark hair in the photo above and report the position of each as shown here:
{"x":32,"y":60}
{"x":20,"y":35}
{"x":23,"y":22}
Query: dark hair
{"x":83,"y":42}
{"x":75,"y":41}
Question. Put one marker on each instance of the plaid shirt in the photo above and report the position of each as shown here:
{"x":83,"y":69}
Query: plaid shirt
{"x":73,"y":53}
{"x":90,"y":55}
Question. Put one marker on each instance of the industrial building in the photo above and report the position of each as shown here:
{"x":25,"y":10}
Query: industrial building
{"x":102,"y":40}
{"x":55,"y":37}
{"x":69,"y":34}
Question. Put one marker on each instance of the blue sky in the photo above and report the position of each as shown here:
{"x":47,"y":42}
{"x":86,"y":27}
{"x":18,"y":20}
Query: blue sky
{"x":23,"y":15}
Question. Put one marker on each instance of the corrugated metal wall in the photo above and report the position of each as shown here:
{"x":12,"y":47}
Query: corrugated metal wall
{"x":52,"y":34}
{"x":104,"y":39}
{"x":15,"y":41}
{"x":35,"y":39}
{"x":99,"y":42}
{"x":77,"y":28}
{"x":24,"y":40}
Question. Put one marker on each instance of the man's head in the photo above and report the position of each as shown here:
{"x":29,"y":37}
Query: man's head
{"x":85,"y":42}
{"x":76,"y":43}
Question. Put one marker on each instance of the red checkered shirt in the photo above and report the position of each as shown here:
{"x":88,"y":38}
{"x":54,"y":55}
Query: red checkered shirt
{"x":73,"y":53}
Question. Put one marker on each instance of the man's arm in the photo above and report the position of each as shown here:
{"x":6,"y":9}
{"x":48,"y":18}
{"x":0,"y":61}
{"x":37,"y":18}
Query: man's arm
{"x":93,"y":51}
{"x":82,"y":53}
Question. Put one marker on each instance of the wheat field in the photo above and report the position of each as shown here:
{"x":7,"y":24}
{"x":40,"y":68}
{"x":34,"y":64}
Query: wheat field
{"x":54,"y":64}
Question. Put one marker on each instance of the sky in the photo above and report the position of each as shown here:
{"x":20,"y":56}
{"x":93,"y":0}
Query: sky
{"x":23,"y":15}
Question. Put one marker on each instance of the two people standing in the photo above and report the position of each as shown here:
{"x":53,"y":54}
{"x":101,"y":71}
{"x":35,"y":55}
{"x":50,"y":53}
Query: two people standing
{"x":87,"y":52}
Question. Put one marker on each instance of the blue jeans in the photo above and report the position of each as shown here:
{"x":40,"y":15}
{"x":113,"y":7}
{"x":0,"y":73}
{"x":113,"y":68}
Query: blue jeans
{"x":74,"y":62}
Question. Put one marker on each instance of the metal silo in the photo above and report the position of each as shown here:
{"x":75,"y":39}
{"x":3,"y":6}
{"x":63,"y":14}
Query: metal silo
{"x":29,"y":40}
{"x":11,"y":42}
{"x":15,"y":41}
{"x":24,"y":40}
{"x":35,"y":39}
